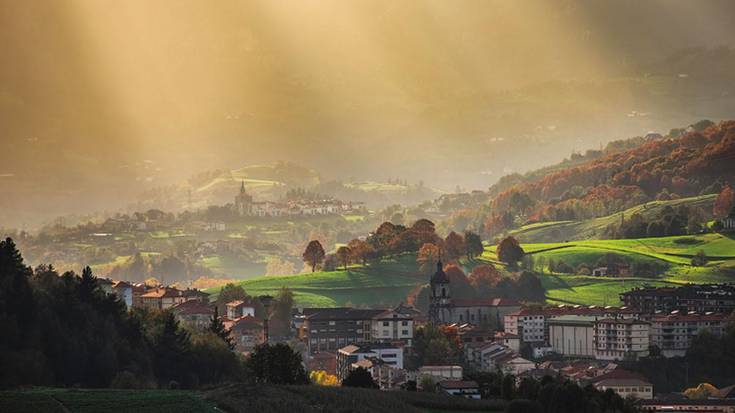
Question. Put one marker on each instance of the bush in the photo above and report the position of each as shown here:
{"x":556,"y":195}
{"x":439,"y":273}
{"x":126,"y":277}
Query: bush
{"x":687,"y":241}
{"x":523,"y":406}
{"x":564,"y":268}
{"x":699,"y":260}
{"x":127,"y":380}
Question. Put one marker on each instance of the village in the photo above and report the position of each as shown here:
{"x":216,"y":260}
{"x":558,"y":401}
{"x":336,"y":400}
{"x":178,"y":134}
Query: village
{"x":584,"y":344}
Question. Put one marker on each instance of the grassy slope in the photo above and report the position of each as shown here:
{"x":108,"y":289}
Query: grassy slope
{"x":386,"y":283}
{"x":594,"y":228}
{"x":577,"y":289}
{"x":390,"y":282}
{"x":89,"y":401}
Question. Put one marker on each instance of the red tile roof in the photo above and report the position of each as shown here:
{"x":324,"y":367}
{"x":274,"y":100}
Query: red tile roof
{"x":192,"y":307}
{"x":492,"y":302}
{"x":455,"y":384}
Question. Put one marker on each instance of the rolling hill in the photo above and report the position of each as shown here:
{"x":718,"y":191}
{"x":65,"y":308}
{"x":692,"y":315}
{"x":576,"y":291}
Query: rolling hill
{"x":550,"y":231}
{"x":671,"y":254}
{"x":389,"y":282}
{"x":385,"y":283}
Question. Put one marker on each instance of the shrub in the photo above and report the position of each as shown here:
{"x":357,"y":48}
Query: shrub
{"x":687,"y":241}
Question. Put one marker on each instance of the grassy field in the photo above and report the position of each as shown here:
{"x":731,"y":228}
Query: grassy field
{"x":385,"y":283}
{"x":307,"y":399}
{"x":112,"y":401}
{"x":672,"y":253}
{"x":389,"y":282}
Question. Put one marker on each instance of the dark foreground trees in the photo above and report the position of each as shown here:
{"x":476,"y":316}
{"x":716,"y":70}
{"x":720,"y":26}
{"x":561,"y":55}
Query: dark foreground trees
{"x":359,"y":377}
{"x":276,"y":364}
{"x":64,"y":330}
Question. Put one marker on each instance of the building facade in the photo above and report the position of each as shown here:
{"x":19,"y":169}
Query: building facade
{"x":247,"y":333}
{"x":347,"y":356}
{"x":621,"y":338}
{"x":394,"y":326}
{"x":673,"y":334}
{"x":329,"y":329}
{"x":573,"y":335}
{"x":694,"y":298}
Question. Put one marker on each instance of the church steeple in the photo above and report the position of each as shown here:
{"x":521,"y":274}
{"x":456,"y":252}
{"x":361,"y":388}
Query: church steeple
{"x":242,"y":187}
{"x":440,"y":299}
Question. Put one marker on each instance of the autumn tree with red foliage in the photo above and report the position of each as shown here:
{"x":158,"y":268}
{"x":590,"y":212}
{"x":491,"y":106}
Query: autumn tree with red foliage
{"x":509,"y":251}
{"x":724,"y":203}
{"x":454,"y":246}
{"x":484,"y":278}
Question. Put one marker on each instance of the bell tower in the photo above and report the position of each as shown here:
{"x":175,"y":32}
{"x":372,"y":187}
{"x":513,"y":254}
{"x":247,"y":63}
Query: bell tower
{"x":440,"y":298}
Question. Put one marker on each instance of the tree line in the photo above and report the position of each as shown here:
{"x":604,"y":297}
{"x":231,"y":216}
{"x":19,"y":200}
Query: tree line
{"x":64,"y":330}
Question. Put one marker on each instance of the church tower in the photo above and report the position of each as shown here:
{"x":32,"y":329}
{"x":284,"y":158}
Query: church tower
{"x":440,"y":299}
{"x":243,"y":202}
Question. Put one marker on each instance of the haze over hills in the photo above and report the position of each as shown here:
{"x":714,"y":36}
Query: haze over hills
{"x":113,"y":100}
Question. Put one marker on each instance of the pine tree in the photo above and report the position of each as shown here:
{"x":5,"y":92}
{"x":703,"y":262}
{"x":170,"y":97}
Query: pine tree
{"x":217,"y":327}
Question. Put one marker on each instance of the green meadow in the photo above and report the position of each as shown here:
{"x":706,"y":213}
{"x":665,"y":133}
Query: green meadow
{"x":387,"y":282}
{"x":672,"y":253}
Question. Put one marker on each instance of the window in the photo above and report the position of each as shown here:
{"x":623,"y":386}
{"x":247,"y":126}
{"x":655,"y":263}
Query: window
{"x":386,"y":323}
{"x":404,"y":323}
{"x":331,"y":323}
{"x":404,"y":332}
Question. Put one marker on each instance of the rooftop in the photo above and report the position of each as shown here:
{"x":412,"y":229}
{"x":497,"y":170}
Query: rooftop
{"x":458,"y":384}
{"x":341,"y":313}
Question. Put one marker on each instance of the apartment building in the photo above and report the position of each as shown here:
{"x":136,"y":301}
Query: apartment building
{"x":621,"y":338}
{"x":528,"y":324}
{"x":673,"y":333}
{"x":395,"y":325}
{"x":695,"y":298}
{"x":329,"y":329}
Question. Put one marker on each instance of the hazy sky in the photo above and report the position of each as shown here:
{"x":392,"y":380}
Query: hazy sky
{"x":92,"y":89}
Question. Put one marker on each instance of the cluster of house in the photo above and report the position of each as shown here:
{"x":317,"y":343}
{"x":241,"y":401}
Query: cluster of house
{"x":245,"y":206}
{"x":139,"y":295}
{"x":590,"y":339}
{"x":192,"y":308}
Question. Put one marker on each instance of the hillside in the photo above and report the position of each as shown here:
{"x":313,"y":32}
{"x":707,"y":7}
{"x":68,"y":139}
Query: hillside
{"x":592,"y":228}
{"x":627,"y":173}
{"x":385,"y":283}
{"x":676,"y":166}
{"x":218,"y":187}
{"x":666,"y":261}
